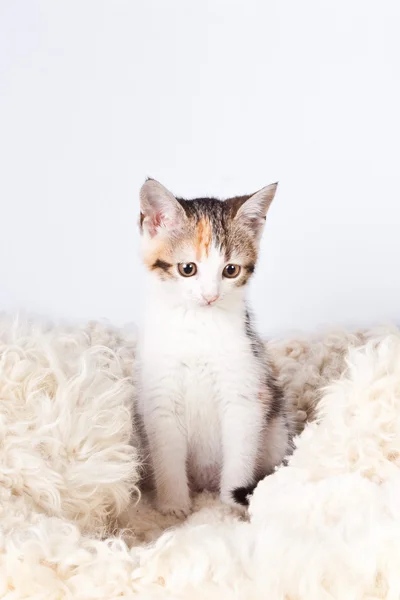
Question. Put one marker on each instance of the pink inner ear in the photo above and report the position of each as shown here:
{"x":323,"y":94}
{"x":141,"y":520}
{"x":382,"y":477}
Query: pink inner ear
{"x":153,"y":223}
{"x":156,"y":220}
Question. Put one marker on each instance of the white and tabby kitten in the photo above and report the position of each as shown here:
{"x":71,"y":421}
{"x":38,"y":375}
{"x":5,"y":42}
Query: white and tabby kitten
{"x":212,"y":413}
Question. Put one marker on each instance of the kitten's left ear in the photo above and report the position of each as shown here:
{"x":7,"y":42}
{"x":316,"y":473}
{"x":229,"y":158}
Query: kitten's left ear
{"x":254,"y":210}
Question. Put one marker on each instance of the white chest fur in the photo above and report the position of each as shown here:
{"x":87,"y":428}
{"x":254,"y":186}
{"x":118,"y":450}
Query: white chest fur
{"x":200,"y":384}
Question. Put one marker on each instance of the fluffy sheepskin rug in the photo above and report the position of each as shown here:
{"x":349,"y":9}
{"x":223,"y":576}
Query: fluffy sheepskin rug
{"x":74,"y":525}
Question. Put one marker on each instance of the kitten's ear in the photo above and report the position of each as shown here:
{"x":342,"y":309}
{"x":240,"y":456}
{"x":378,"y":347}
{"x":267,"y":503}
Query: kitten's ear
{"x":159,"y":209}
{"x":254,"y":210}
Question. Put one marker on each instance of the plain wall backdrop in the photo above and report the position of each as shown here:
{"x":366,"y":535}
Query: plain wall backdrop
{"x":217,"y":97}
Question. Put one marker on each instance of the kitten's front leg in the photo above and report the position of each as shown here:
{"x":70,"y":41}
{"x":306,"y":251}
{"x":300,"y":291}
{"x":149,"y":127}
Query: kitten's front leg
{"x":242,"y":426}
{"x":168,"y":449}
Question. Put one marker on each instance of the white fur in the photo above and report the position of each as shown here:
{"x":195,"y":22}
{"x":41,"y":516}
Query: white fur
{"x":328,"y":526}
{"x":66,"y":415}
{"x":200,"y":385}
{"x":306,"y":365}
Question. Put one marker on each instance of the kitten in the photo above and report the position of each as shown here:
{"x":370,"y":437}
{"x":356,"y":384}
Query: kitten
{"x":212,"y":413}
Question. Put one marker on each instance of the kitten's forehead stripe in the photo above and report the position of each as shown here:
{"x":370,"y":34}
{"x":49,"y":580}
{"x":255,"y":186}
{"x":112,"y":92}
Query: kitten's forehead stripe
{"x":230,"y":236}
{"x":204,"y":238}
{"x":208,"y":211}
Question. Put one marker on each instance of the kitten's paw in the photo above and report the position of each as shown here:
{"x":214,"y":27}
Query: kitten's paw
{"x":180,"y":511}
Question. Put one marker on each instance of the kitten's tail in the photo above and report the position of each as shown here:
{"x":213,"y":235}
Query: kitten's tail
{"x":242,"y":495}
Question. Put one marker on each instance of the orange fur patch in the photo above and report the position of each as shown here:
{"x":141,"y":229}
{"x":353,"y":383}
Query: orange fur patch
{"x":204,"y":237}
{"x":157,"y":250}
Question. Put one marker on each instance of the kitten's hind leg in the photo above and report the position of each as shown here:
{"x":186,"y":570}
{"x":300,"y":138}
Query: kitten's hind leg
{"x":276,"y":445}
{"x":275,"y":448}
{"x":242,"y":426}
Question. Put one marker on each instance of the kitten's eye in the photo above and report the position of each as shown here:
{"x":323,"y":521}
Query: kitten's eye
{"x":231,"y":271}
{"x":187,"y":269}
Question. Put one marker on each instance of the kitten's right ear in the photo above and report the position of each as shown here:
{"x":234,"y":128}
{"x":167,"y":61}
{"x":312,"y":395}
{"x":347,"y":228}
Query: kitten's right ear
{"x":159,"y":209}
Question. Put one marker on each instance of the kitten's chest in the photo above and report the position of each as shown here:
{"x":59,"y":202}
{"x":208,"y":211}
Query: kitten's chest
{"x":201,"y":357}
{"x":199,"y":340}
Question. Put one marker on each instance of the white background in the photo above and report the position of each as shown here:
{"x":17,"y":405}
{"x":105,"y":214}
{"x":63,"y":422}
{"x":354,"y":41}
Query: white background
{"x":210,"y":97}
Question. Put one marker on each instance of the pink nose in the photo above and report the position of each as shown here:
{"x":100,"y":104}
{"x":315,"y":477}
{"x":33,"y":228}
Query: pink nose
{"x":211,"y":299}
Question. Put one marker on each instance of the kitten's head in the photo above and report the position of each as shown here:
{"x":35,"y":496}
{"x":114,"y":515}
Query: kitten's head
{"x":204,"y":249}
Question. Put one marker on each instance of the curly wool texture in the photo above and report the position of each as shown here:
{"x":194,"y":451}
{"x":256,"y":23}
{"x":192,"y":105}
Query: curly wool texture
{"x":306,"y":365}
{"x":325,"y":526}
{"x":66,"y":422}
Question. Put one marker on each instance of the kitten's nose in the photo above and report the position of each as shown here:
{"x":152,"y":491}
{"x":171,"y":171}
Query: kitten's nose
{"x":210,"y":298}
